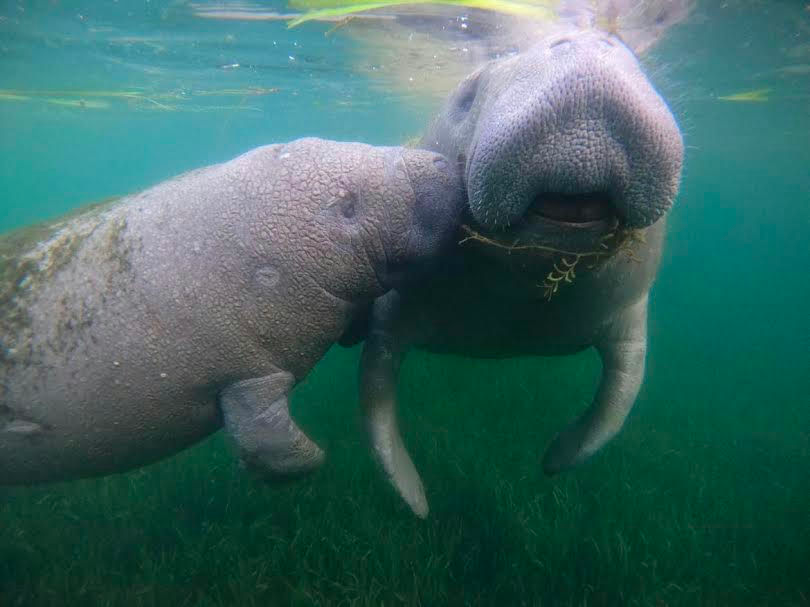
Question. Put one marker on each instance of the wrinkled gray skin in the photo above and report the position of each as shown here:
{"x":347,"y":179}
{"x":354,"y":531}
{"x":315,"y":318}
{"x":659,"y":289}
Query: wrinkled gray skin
{"x":135,"y":329}
{"x":573,"y":115}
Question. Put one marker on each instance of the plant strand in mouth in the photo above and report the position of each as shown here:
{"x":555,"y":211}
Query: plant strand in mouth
{"x":564,"y":267}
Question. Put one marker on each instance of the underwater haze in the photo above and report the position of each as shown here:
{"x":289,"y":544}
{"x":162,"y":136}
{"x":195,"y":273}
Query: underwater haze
{"x":702,"y":499}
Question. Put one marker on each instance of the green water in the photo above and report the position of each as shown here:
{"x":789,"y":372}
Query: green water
{"x":703,"y":499}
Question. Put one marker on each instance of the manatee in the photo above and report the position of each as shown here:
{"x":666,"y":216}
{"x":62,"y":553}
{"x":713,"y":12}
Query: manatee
{"x":133,"y":329}
{"x":570,"y":161}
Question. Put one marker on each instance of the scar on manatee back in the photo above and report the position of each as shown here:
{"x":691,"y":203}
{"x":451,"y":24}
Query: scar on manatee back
{"x":16,"y":424}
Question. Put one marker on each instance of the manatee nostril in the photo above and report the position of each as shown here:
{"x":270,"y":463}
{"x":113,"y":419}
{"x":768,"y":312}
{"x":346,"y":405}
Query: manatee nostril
{"x":560,"y":43}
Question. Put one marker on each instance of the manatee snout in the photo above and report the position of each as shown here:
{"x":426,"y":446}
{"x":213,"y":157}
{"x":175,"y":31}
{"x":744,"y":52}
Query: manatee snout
{"x":573,"y":116}
{"x":438,"y":202}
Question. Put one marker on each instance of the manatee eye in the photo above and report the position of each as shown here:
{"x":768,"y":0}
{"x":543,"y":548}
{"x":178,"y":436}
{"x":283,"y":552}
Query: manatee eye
{"x":348,"y":205}
{"x":345,"y":204}
{"x":466,"y":95}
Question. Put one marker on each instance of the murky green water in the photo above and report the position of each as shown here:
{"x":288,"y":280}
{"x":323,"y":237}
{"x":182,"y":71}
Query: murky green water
{"x":704,"y":499}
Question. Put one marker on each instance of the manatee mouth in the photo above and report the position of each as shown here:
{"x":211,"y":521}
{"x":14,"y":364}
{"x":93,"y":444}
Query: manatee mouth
{"x":574,"y":210}
{"x":556,"y":223}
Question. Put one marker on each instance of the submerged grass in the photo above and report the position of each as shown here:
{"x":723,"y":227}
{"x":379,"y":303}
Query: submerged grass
{"x":673,"y":513}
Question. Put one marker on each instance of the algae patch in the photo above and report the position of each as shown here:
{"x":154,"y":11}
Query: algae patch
{"x":31,"y":256}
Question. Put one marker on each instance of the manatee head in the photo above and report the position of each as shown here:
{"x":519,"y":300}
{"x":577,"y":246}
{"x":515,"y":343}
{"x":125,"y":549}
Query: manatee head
{"x":366,"y":218}
{"x":435,"y":205}
{"x":568,"y":140}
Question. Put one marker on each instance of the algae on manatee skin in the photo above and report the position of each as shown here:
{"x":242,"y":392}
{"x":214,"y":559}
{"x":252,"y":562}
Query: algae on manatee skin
{"x":30,"y":256}
{"x":118,"y":250}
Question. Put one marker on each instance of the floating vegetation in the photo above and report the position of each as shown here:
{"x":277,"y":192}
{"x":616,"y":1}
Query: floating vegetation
{"x":6,"y":96}
{"x":84,"y":104}
{"x":171,"y":101}
{"x":755,"y":96}
{"x":318,"y":10}
{"x":246,"y":14}
{"x":794,"y":70}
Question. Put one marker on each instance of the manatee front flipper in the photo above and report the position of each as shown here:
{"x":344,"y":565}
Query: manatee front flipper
{"x":379,"y":365}
{"x":622,"y":348}
{"x":257,"y":415}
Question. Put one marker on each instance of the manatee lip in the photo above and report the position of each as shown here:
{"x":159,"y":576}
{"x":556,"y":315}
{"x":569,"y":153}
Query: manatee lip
{"x":585,"y":210}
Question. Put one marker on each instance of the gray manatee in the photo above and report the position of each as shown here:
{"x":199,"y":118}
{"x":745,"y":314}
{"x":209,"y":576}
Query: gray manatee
{"x":134,"y":329}
{"x":570,"y":160}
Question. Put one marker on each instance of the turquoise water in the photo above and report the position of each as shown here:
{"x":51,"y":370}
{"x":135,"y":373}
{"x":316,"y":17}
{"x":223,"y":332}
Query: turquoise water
{"x":704,"y":499}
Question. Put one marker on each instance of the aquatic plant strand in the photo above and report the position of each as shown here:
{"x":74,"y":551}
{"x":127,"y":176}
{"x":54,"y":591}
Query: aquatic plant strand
{"x":564,"y":268}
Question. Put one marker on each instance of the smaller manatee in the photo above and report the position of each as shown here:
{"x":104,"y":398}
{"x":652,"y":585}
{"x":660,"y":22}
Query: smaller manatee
{"x":134,"y":329}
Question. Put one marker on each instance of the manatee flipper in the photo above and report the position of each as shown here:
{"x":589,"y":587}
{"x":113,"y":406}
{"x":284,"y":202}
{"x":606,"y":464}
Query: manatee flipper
{"x":622,"y":349}
{"x":379,"y":366}
{"x":257,"y":415}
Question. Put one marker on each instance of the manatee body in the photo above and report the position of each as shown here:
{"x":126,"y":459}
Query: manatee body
{"x":570,"y":161}
{"x":134,"y":329}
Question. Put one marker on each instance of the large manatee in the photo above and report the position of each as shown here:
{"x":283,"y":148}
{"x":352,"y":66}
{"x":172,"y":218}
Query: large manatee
{"x":134,"y":329}
{"x":570,"y":160}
